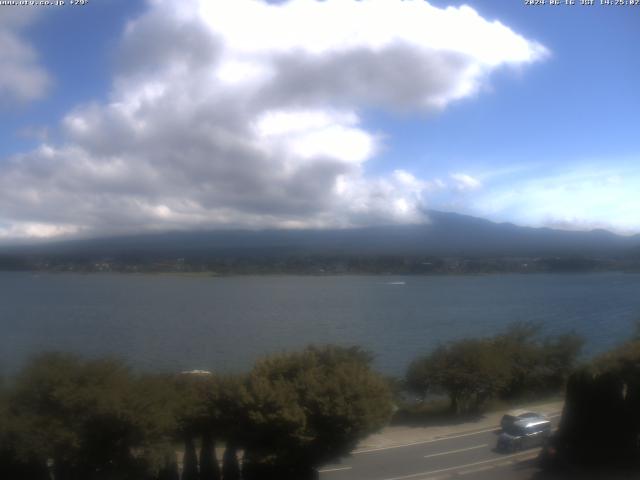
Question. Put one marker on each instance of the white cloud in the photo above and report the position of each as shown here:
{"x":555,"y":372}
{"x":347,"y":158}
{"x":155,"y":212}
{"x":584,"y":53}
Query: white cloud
{"x":248,"y":114}
{"x":393,"y":199}
{"x":28,"y":230}
{"x":309,"y":135}
{"x":22,"y":79}
{"x":577,"y":198}
{"x":464,"y":182}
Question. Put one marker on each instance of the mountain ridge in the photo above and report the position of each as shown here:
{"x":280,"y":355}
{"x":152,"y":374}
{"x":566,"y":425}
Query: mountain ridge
{"x":446,"y":234}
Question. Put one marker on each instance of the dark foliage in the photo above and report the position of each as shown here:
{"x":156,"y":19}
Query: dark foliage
{"x":209,"y":468}
{"x":169,"y":471}
{"x":601,"y":420}
{"x":96,"y":420}
{"x":306,"y":408}
{"x":509,"y":365}
{"x":230,"y":465}
{"x":189,"y":461}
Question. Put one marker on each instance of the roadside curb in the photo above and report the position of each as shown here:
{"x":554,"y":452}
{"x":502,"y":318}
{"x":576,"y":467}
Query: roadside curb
{"x":412,"y":436}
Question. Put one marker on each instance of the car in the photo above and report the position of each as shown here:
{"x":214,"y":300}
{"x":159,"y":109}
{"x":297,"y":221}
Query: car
{"x":525,"y":433}
{"x":513,"y":416}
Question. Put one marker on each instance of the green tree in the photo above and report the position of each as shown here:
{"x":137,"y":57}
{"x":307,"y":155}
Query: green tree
{"x":14,"y":462}
{"x":538,"y":364}
{"x":515,"y":363}
{"x":199,"y":416}
{"x":468,"y":371}
{"x":84,"y":415}
{"x":304,"y":409}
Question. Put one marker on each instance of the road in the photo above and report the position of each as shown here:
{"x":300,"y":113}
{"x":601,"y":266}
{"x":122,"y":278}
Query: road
{"x":468,"y":455}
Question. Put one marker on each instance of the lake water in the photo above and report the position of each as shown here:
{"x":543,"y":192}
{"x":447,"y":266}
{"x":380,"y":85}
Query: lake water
{"x":179,"y":322}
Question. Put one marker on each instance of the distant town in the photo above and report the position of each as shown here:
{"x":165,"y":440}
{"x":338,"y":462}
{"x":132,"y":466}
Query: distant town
{"x":319,"y":265}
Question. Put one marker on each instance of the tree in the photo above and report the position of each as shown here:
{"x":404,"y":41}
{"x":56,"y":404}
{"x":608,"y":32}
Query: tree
{"x":209,"y":468}
{"x":169,"y":471}
{"x":600,"y":422}
{"x":189,"y":461}
{"x":538,"y":365}
{"x":84,"y":415}
{"x":419,"y":378}
{"x":226,"y":406}
{"x":595,"y":427}
{"x":198,"y":415}
{"x":468,"y":371}
{"x":14,"y":462}
{"x":559,"y":356}
{"x":521,"y":348}
{"x":230,"y":466}
{"x":514,"y":363}
{"x":304,"y":409}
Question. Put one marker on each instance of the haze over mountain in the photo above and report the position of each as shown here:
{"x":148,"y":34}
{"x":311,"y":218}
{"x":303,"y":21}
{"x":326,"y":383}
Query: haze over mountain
{"x":447,"y":234}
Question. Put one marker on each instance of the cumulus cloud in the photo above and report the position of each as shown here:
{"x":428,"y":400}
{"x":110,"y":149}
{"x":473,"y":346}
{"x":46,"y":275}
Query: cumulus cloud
{"x":249,"y":114}
{"x":22,"y":79}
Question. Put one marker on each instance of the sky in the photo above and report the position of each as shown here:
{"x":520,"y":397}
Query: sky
{"x":128,"y":116}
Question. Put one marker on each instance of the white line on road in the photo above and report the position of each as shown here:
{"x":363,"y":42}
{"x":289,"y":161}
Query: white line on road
{"x":337,"y":469}
{"x":457,"y":451}
{"x":482,"y":468}
{"x":423,"y":442}
{"x":457,"y":467}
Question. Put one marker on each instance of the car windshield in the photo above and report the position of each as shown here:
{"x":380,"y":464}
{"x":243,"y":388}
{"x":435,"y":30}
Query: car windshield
{"x":514,"y":430}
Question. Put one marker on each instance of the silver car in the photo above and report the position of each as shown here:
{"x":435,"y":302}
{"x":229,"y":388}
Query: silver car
{"x":527,"y":433}
{"x":513,"y":416}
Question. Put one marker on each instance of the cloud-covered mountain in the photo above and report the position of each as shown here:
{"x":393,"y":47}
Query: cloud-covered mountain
{"x":447,"y":234}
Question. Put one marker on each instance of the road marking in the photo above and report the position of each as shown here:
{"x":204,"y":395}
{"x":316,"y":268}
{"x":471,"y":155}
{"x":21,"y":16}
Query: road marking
{"x":439,"y":439}
{"x":457,"y":467}
{"x":530,"y":457}
{"x":337,"y":469}
{"x":476,"y":470}
{"x":423,"y":442}
{"x":457,"y":451}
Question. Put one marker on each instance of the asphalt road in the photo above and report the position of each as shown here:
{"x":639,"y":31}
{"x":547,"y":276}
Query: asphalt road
{"x":469,"y":455}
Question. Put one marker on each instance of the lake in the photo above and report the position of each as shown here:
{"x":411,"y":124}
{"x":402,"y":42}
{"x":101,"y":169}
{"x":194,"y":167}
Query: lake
{"x":165,"y":322}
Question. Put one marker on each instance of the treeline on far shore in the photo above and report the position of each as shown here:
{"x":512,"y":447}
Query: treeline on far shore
{"x":70,"y":418}
{"x":317,"y":264}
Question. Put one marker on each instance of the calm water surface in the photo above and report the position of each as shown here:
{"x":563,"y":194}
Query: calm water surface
{"x":177,"y":322}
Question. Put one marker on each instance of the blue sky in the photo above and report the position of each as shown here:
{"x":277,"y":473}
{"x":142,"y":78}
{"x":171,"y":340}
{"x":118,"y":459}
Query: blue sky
{"x":361,"y":122}
{"x":76,"y":45}
{"x":576,"y":110}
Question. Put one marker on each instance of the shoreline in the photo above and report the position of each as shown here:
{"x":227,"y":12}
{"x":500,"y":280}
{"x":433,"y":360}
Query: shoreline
{"x":213,"y":274}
